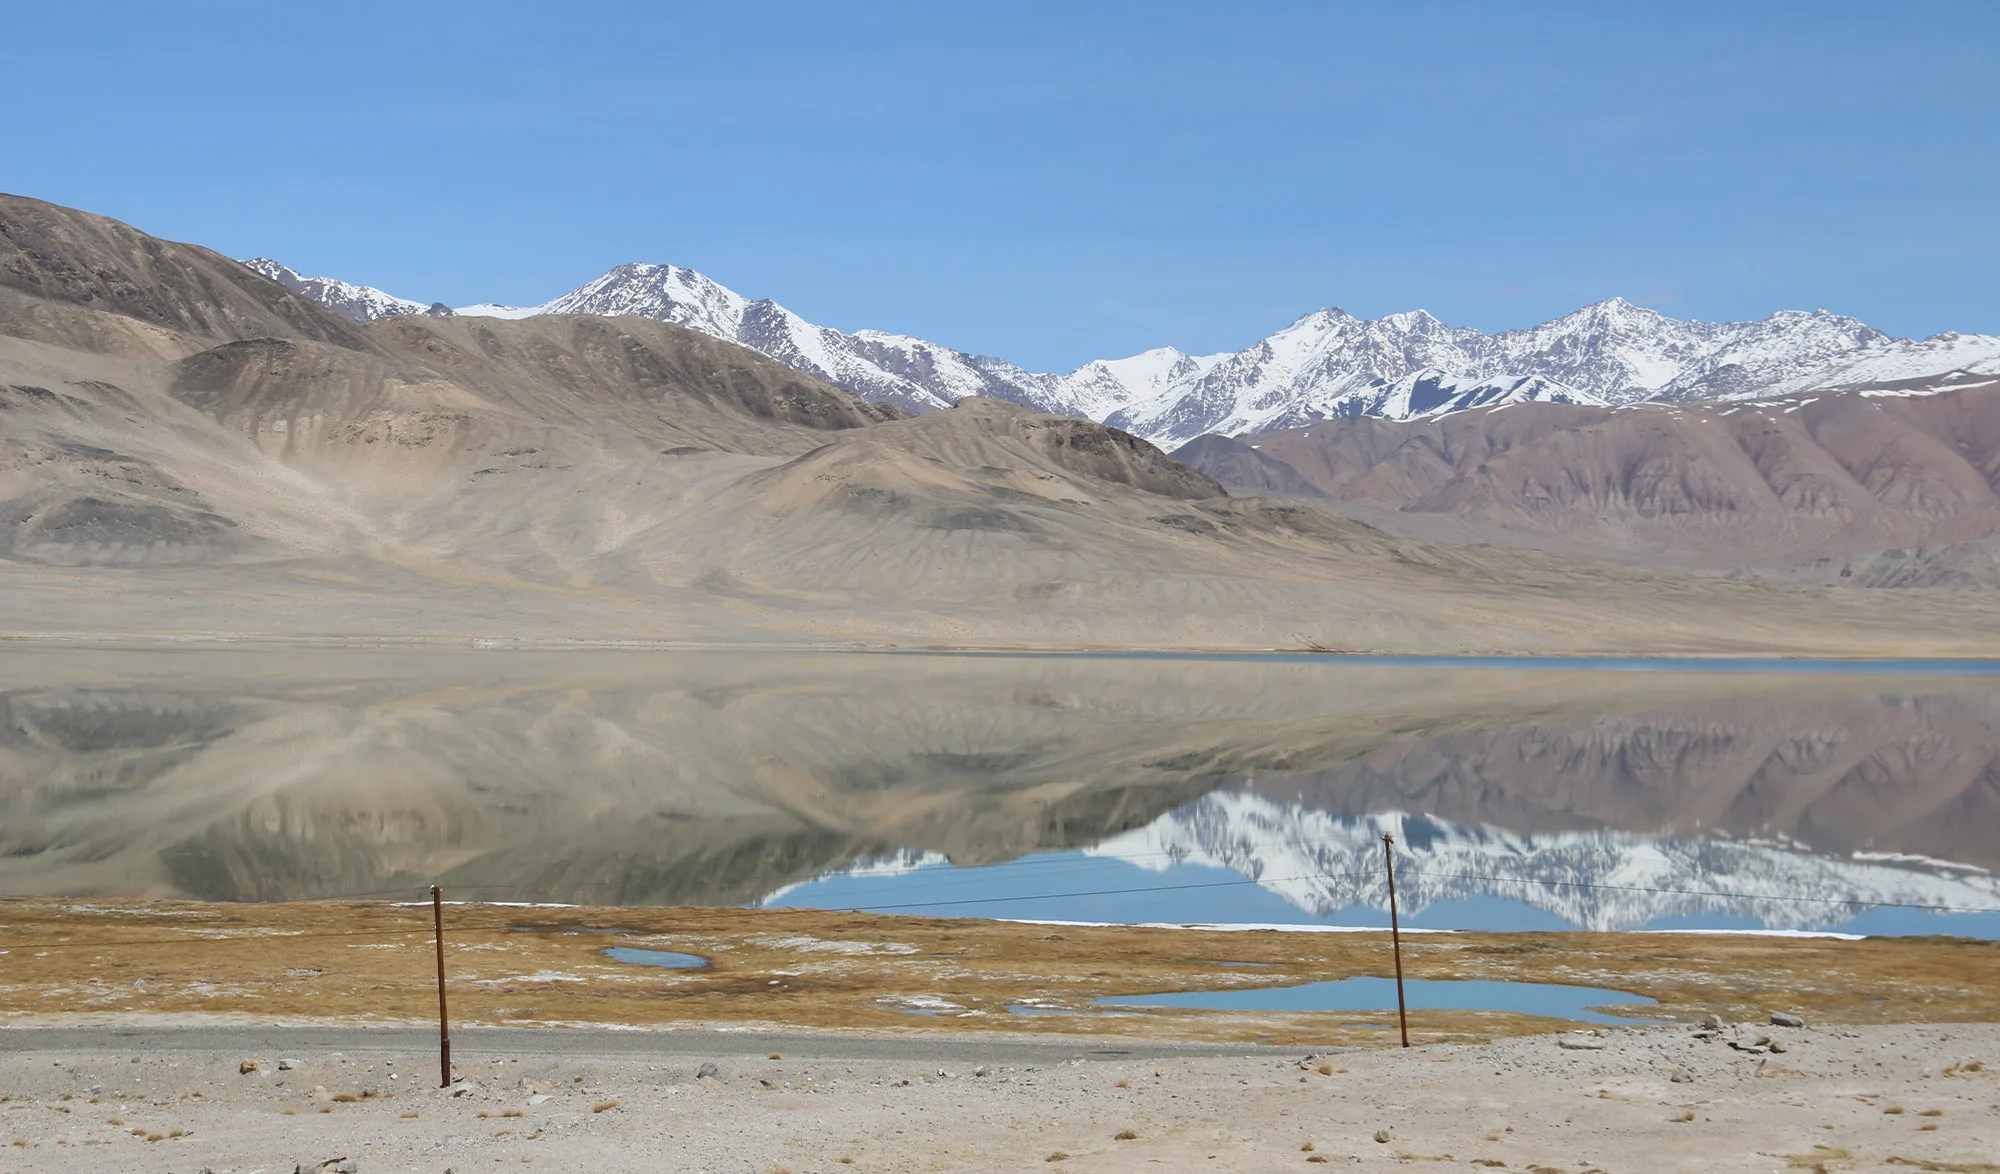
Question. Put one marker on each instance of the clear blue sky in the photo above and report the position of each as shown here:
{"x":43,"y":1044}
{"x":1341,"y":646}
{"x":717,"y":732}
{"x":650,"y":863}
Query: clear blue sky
{"x":1053,"y":182}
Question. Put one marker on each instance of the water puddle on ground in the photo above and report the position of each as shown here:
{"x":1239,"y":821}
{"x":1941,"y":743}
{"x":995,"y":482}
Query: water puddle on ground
{"x":1379,"y":994}
{"x":665,"y":959}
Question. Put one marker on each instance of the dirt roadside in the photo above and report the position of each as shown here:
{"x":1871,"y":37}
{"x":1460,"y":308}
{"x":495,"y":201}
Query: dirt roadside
{"x":1655,"y":1099}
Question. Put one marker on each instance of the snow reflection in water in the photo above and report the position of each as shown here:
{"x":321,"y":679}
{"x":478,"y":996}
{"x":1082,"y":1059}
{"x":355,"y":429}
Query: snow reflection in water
{"x":1235,"y":858}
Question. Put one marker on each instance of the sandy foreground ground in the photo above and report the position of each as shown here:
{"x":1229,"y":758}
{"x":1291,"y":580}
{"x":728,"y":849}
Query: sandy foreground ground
{"x":1918,"y":1097}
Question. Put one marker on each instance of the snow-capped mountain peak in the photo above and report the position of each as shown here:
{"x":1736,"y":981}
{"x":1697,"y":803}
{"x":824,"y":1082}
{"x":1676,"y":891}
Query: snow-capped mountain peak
{"x":1102,"y":386}
{"x":666,"y":293}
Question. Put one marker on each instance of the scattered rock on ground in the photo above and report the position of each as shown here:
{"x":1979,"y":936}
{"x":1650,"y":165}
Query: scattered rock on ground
{"x":1756,"y":1043}
{"x":708,"y":1070}
{"x":1786,"y":1019}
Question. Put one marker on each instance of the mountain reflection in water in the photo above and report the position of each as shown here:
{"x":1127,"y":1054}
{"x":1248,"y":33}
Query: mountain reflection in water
{"x":1093,"y":788}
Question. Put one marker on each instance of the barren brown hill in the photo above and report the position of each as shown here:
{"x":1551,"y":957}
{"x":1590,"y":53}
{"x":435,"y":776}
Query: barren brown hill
{"x":188,"y":449}
{"x":94,"y":284}
{"x":1768,"y":484}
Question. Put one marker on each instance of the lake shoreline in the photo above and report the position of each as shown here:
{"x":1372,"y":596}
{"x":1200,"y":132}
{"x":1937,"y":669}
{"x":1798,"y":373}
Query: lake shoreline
{"x":1475,"y":658}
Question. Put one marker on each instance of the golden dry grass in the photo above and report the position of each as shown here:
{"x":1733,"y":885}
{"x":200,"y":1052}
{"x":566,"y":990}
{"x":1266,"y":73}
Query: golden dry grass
{"x":371,"y":962}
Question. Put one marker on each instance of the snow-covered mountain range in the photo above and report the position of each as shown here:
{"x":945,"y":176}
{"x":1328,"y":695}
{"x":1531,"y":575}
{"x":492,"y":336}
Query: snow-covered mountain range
{"x":1322,"y":863}
{"x":1328,"y":363}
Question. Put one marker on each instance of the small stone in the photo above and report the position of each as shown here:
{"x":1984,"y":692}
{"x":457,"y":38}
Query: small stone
{"x":540,"y":1098}
{"x":1382,"y":1136}
{"x":1711,"y":1022}
{"x":1778,"y":1045}
{"x":287,"y":1065}
{"x":982,"y":1070}
{"x":707,"y":1071}
{"x":1682,"y":1076}
{"x":1580,"y":1043}
{"x":1786,"y":1019}
{"x":247,"y":1067}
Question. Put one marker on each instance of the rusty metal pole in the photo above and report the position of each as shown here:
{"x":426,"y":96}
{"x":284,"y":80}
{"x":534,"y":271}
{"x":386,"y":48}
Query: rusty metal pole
{"x":1395,"y":938}
{"x":444,"y":1024}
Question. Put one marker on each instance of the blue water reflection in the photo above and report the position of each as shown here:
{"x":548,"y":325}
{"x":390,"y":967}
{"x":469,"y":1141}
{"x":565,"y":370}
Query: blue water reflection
{"x":665,"y":959}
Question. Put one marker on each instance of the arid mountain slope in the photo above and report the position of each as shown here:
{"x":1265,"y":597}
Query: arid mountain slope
{"x":195,"y":450}
{"x":94,"y":284}
{"x":1767,"y":483}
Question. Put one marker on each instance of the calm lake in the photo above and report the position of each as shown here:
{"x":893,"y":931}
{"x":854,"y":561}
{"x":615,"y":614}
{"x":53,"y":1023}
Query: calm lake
{"x":1215,"y":789}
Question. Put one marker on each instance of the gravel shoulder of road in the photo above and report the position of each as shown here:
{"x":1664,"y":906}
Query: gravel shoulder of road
{"x":1743,"y":1097}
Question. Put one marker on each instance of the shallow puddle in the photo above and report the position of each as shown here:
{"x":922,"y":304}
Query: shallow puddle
{"x":1379,"y":994}
{"x":665,"y":959}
